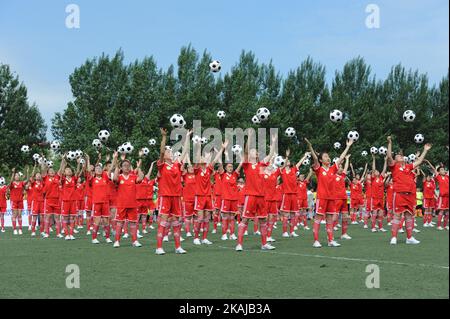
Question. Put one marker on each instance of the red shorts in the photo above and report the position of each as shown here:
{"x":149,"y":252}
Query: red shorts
{"x":302,"y":203}
{"x":37,"y":207}
{"x":272,"y":207}
{"x":403,"y":202}
{"x":429,"y":203}
{"x":218,"y":202}
{"x":88,"y":203}
{"x":69,"y":207}
{"x":325,"y":206}
{"x":143,"y":206}
{"x":203,"y":203}
{"x":229,"y":206}
{"x":129,"y":214}
{"x":170,"y":205}
{"x":51,"y":206}
{"x":188,"y":208}
{"x":112,"y":203}
{"x":442,"y":203}
{"x":389,"y":204}
{"x":377,"y":204}
{"x":254,"y":206}
{"x":369,"y":204}
{"x":289,"y":203}
{"x":101,"y":209}
{"x":17,"y":204}
{"x":341,"y":205}
{"x":356,"y":203}
{"x":151,"y":205}
{"x":80,"y":205}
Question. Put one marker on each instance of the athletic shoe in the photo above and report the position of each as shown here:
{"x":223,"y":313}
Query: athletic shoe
{"x":188,"y":234}
{"x":45,"y":236}
{"x":285,"y":235}
{"x":446,"y":227}
{"x":374,"y":230}
{"x":206,"y":241}
{"x":415,"y":224}
{"x":88,"y":233}
{"x":116,"y":244}
{"x":139,"y":236}
{"x":151,"y":227}
{"x":412,"y":241}
{"x":20,"y":231}
{"x":166,"y":238}
{"x":393,"y":241}
{"x":79,"y":227}
{"x":108,"y":240}
{"x":33,"y":234}
{"x":267,"y":247}
{"x":333,"y":244}
{"x":51,"y":230}
{"x":416,"y":230}
{"x":382,"y":230}
{"x":335,"y":228}
{"x":29,"y":228}
{"x":145,"y":231}
{"x":257,"y":233}
{"x":439,"y":228}
{"x":67,"y":237}
{"x":430,"y":225}
{"x":389,"y":224}
{"x":180,"y":250}
{"x":401,"y":231}
{"x":95,"y":241}
{"x":238,"y":248}
{"x":355,"y":223}
{"x":214,"y":231}
{"x":274,"y":226}
{"x":346,"y":236}
{"x":246,"y":233}
{"x":224,"y":237}
{"x":181,"y":239}
{"x":197,"y":241}
{"x":71,"y":237}
{"x":233,"y":237}
{"x":317,"y":244}
{"x":59,"y":236}
{"x":159,"y":251}
{"x":293,"y":234}
{"x":270,"y":240}
{"x":323,"y":222}
{"x":365,"y":227}
{"x":306,"y":228}
{"x":338,"y":225}
{"x":136,"y":244}
{"x":125,"y":236}
{"x":295,"y":228}
{"x":75,"y":231}
{"x":3,"y":230}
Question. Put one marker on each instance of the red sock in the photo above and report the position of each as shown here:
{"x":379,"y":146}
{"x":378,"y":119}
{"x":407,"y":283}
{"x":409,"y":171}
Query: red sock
{"x":176,"y":226}
{"x":119,"y":226}
{"x":88,"y":222}
{"x":329,"y":228}
{"x":305,"y":220}
{"x":284,"y":221}
{"x":241,"y":231}
{"x":239,"y":218}
{"x":255,"y":225}
{"x":94,"y":232}
{"x":402,"y":222}
{"x":292,"y":224}
{"x":215,"y":221}
{"x":160,"y":233}
{"x":395,"y":227}
{"x":196,"y":227}
{"x":133,"y":230}
{"x":19,"y":220}
{"x":2,"y":220}
{"x":107,"y":229}
{"x":380,"y":222}
{"x":205,"y":228}
{"x":231,"y":224}
{"x":187,"y":225}
{"x":224,"y":225}
{"x":72,"y":226}
{"x":125,"y":227}
{"x":263,"y":227}
{"x":445,"y":220}
{"x":144,"y":222}
{"x":316,"y":229}
{"x":269,"y":228}
{"x":65,"y":226}
{"x":374,"y":220}
{"x":366,"y":218}
{"x":29,"y":219}
{"x":344,"y":226}
{"x":409,"y":227}
{"x":430,"y":218}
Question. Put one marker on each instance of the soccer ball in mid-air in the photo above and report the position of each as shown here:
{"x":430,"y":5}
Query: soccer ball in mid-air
{"x":419,"y":138}
{"x":263,"y":114}
{"x":71,"y":155}
{"x":336,"y":116}
{"x":337,"y":145}
{"x":236,"y":149}
{"x":103,"y":135}
{"x":49,"y":164}
{"x":36,"y":157}
{"x":196,"y":139}
{"x":152,"y":142}
{"x":336,"y":159}
{"x":221,"y":115}
{"x":382,"y":150}
{"x":2,"y":181}
{"x":353,"y":135}
{"x":364,"y":153}
{"x":203,"y":140}
{"x":215,"y":66}
{"x":177,"y":121}
{"x":168,"y":147}
{"x":290,"y":132}
{"x":25,"y":148}
{"x":97,"y":143}
{"x":128,"y":148}
{"x":306,"y":162}
{"x":121,"y":149}
{"x":411,"y":158}
{"x":78,"y":153}
{"x":177,"y":155}
{"x":145,"y":151}
{"x":256,"y":120}
{"x":373,"y":150}
{"x":279,"y":161}
{"x":55,"y":145}
{"x":409,"y":116}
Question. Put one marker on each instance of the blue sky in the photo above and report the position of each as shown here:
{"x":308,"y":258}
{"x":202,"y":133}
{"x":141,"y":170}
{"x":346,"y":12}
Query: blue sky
{"x":43,"y":52}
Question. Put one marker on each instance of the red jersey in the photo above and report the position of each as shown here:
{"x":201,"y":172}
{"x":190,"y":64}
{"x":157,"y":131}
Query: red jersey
{"x":340,"y":191}
{"x":169,"y":179}
{"x":325,"y":181}
{"x":126,"y":191}
{"x":100,"y":188}
{"x":3,"y":190}
{"x":218,"y":183}
{"x":29,"y":193}
{"x":429,"y":189}
{"x":144,"y":190}
{"x":189,"y":187}
{"x":378,"y":187}
{"x":270,"y":185}
{"x":203,"y":180}
{"x":403,"y":178}
{"x":443,"y":185}
{"x":16,"y":191}
{"x":302,"y":189}
{"x":279,"y":193}
{"x":254,"y":178}
{"x":38,"y":190}
{"x":289,"y":181}
{"x":79,"y":191}
{"x":390,"y":193}
{"x":69,"y":187}
{"x":356,"y":191}
{"x":368,"y":188}
{"x":229,"y":186}
{"x":51,"y":186}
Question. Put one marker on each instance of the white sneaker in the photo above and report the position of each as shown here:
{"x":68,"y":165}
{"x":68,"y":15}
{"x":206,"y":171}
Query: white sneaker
{"x":446,"y":227}
{"x":95,"y":241}
{"x":355,"y":223}
{"x":323,"y":222}
{"x":365,"y":227}
{"x":197,"y":241}
{"x":293,"y":234}
{"x":219,"y":224}
{"x":75,"y":231}
{"x":88,"y":233}
{"x":136,"y":244}
{"x":274,"y":226}
{"x":346,"y":236}
{"x":382,"y":230}
{"x":426,"y":225}
{"x":430,"y":225}
{"x":374,"y":230}
{"x":285,"y":235}
{"x":238,"y":248}
{"x":295,"y":228}
{"x":335,"y":228}
{"x":412,"y":241}
{"x":233,"y":237}
{"x":333,"y":244}
{"x":125,"y":236}
{"x":139,"y":236}
{"x":389,"y":224}
{"x":257,"y":233}
{"x":270,"y":240}
{"x":206,"y":241}
{"x":108,"y":240}
{"x":67,"y":237}
{"x":415,"y":224}
{"x":401,"y":231}
{"x":439,"y":228}
{"x":267,"y":247}
{"x":145,"y":231}
{"x":338,"y":225}
{"x":3,"y":230}
{"x":45,"y":236}
{"x":151,"y":227}
{"x":224,"y":237}
{"x":306,"y":228}
{"x":33,"y":234}
{"x":393,"y":241}
{"x":71,"y":237}
{"x":159,"y":251}
{"x":416,"y":230}
{"x":20,"y":231}
{"x":180,"y":250}
{"x":246,"y":233}
{"x":29,"y":228}
{"x":181,"y":239}
{"x":317,"y":244}
{"x":188,"y":234}
{"x":59,"y":236}
{"x":214,"y":231}
{"x":166,"y":238}
{"x":116,"y":244}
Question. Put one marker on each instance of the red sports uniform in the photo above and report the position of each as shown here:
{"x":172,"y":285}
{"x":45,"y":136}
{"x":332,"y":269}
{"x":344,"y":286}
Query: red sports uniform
{"x":377,"y":193}
{"x":203,"y":198}
{"x":144,"y":195}
{"x":368,"y":191}
{"x":52,"y":190}
{"x":241,"y":196}
{"x":100,"y":190}
{"x":254,"y":205}
{"x":404,"y":199}
{"x":356,"y":195}
{"x":189,"y":194}
{"x":442,"y":182}
{"x":340,"y":193}
{"x":79,"y":194}
{"x":37,"y":204}
{"x":325,"y":203}
{"x":29,"y":198}
{"x":218,"y":190}
{"x":390,"y":197}
{"x":88,"y":197}
{"x":229,"y":192}
{"x":169,"y":182}
{"x":270,"y":192}
{"x":3,"y":190}
{"x":69,"y":195}
{"x":302,"y":194}
{"x":16,"y":194}
{"x":429,"y":192}
{"x":289,"y":202}
{"x":126,"y":198}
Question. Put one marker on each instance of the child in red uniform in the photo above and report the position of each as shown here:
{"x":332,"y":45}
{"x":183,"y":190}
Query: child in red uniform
{"x":37,"y":204}
{"x":69,"y":209}
{"x":51,"y":199}
{"x":29,"y":191}
{"x":302,"y":196}
{"x":188,"y":199}
{"x":271,"y":180}
{"x":340,"y":195}
{"x":389,"y":198}
{"x":229,"y":205}
{"x":144,"y":197}
{"x":80,"y":203}
{"x":16,"y":189}
{"x":217,"y":202}
{"x":3,"y":190}
{"x":429,"y":202}
{"x":378,"y":195}
{"x":88,"y":198}
{"x":356,"y":195}
{"x":441,"y":178}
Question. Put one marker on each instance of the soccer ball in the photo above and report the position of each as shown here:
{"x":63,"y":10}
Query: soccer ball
{"x":2,"y":181}
{"x":419,"y":138}
{"x":55,"y":145}
{"x":353,"y":135}
{"x":290,"y":132}
{"x":256,"y":120}
{"x":409,"y":116}
{"x":103,"y":135}
{"x":177,"y":121}
{"x":196,"y":139}
{"x":306,"y":162}
{"x":145,"y":151}
{"x":364,"y":153}
{"x":177,"y":155}
{"x":221,"y":115}
{"x":279,"y":161}
{"x":169,"y":148}
{"x":308,"y":155}
{"x":152,"y":142}
{"x":71,"y":155}
{"x":336,"y":116}
{"x":121,"y":149}
{"x":49,"y":164}
{"x":97,"y":143}
{"x":128,"y":148}
{"x":25,"y":148}
{"x":337,"y":145}
{"x":203,"y":140}
{"x":263,"y":114}
{"x":412,"y":158}
{"x":78,"y":153}
{"x":236,"y":149}
{"x":36,"y":157}
{"x":382,"y":150}
{"x":215,"y":66}
{"x":373,"y":150}
{"x":335,"y":160}
{"x":20,"y":174}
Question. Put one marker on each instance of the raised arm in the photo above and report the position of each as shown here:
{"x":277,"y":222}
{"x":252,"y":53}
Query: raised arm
{"x":116,"y":166}
{"x":62,"y":166}
{"x":313,"y":153}
{"x":345,"y":152}
{"x":347,"y":161}
{"x":186,"y":148}
{"x":149,"y":173}
{"x":390,"y":159}
{"x":363,"y":176}
{"x":162,"y":149}
{"x":308,"y":178}
{"x":421,"y":158}
{"x":300,"y":162}
{"x":383,"y":173}
{"x":219,"y":153}
{"x":272,"y":149}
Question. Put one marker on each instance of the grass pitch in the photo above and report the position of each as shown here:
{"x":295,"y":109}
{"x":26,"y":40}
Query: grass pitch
{"x":35,"y":268}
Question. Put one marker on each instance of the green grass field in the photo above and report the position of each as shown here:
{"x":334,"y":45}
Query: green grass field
{"x":35,"y":268}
